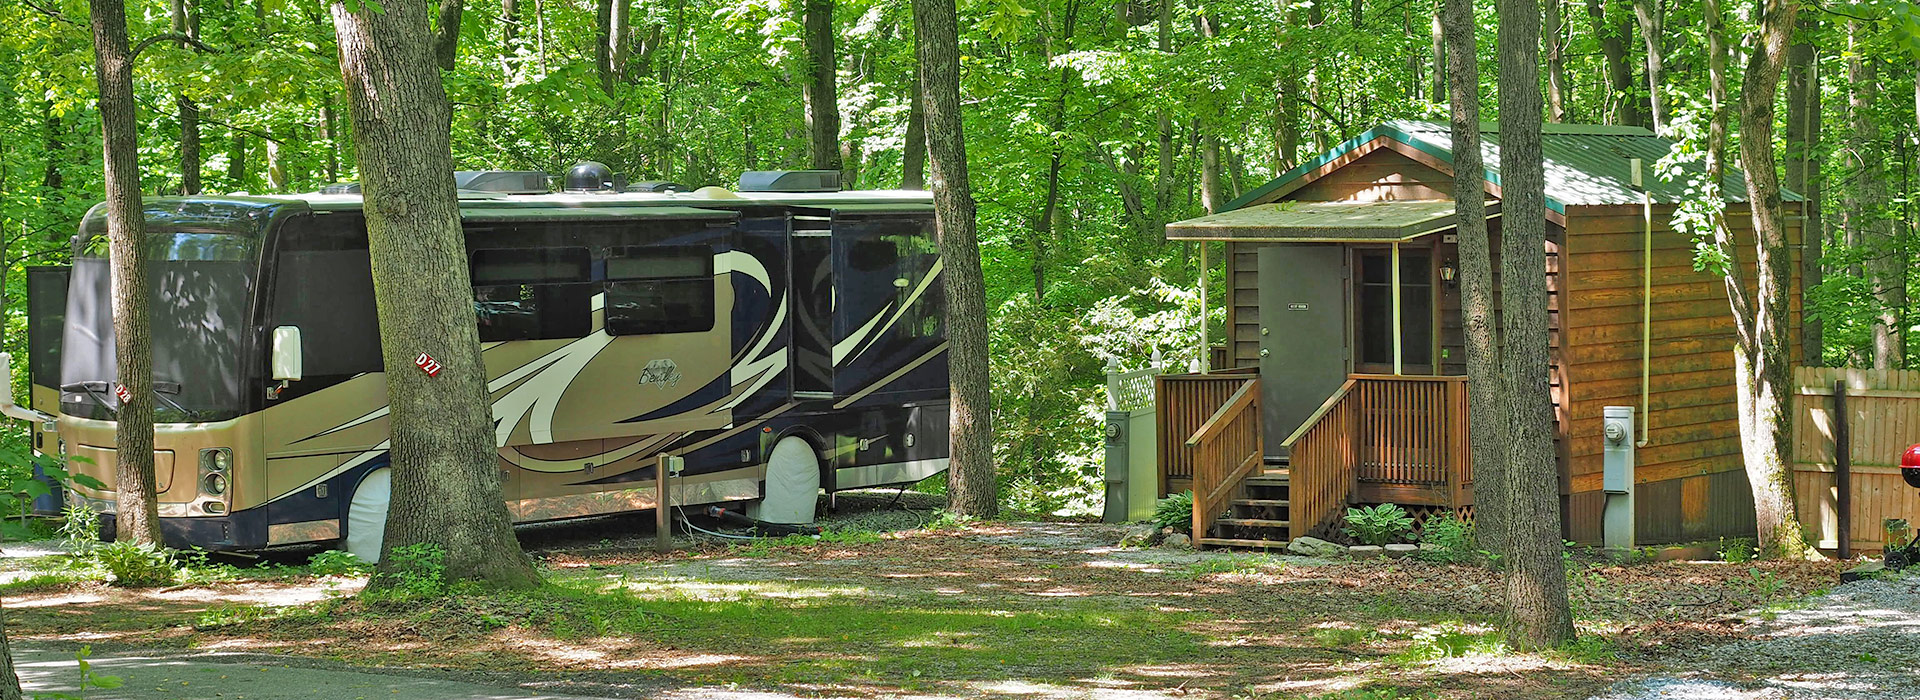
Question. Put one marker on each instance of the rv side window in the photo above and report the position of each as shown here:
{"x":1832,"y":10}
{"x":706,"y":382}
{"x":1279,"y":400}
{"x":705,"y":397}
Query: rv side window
{"x":533,"y":293}
{"x":659,"y":289}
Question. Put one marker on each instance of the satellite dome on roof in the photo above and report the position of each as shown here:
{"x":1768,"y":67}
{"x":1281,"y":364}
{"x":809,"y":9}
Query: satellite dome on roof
{"x":589,"y":176}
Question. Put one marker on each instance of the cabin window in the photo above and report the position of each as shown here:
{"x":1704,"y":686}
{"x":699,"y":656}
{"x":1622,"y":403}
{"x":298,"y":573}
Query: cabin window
{"x":659,"y":289}
{"x":1376,"y":310}
{"x":533,"y":293}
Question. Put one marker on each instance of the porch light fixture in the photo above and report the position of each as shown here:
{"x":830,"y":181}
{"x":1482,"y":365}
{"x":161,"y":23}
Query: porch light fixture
{"x":1447,"y":273}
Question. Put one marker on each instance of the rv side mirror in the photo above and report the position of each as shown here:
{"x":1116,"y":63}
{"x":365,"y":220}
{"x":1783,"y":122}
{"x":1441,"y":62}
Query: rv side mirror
{"x":286,"y":353}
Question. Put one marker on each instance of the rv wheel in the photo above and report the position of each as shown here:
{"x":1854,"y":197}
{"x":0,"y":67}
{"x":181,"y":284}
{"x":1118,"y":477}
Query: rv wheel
{"x":367,"y":515}
{"x":793,"y":483}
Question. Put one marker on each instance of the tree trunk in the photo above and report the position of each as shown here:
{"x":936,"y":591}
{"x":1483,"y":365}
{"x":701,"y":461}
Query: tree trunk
{"x":278,"y":175}
{"x":1213,"y":188}
{"x":446,"y":478}
{"x":1440,"y":62}
{"x":620,"y":31}
{"x":1761,"y":368}
{"x":328,"y":131}
{"x":1803,"y":171}
{"x":913,"y":155}
{"x":822,"y":93}
{"x":510,"y":22}
{"x":1869,"y":216}
{"x":9,"y":680}
{"x":237,"y":161}
{"x":1613,"y":33}
{"x":971,"y":479}
{"x":1537,"y":610}
{"x":1651,"y":14}
{"x":1486,"y":401}
{"x":446,"y":33}
{"x":1163,"y":175}
{"x":1557,"y":81}
{"x":184,"y":22}
{"x":137,"y":517}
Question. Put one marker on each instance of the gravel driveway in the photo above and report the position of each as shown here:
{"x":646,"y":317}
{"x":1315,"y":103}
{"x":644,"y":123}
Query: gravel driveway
{"x":1859,"y":642}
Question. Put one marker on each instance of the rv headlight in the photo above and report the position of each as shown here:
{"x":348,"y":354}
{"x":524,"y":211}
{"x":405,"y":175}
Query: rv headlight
{"x":218,"y":459}
{"x":214,"y":483}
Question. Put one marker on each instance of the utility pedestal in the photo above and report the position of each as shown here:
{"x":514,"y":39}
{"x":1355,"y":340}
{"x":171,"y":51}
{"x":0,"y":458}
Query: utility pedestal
{"x":1117,"y":466}
{"x":1617,"y":480}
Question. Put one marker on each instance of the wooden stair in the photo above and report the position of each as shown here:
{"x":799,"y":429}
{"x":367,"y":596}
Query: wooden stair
{"x":1258,"y":517}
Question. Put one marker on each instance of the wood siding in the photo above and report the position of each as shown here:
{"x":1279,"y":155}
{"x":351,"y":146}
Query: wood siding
{"x":1689,"y":474}
{"x":1380,"y":175}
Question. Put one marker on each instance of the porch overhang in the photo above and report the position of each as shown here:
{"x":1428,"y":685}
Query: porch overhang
{"x":1323,"y":222}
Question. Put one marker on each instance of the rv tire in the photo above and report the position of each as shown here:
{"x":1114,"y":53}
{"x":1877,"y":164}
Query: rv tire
{"x":366,"y":521}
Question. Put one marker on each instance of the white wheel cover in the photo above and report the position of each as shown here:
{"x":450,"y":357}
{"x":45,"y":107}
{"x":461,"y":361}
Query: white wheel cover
{"x":793,"y":484}
{"x":367,"y":515}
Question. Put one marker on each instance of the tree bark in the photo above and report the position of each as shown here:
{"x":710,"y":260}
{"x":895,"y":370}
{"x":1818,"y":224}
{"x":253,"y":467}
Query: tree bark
{"x":446,"y":33}
{"x":1440,"y":62}
{"x":1486,"y":399}
{"x":1213,"y":188}
{"x":603,"y":43}
{"x":1803,"y":171}
{"x":1613,"y":33}
{"x":1557,"y":81}
{"x":1537,"y":610}
{"x":620,"y":29}
{"x":822,"y":93}
{"x":913,"y":155}
{"x":1761,"y":365}
{"x":237,"y":161}
{"x":446,"y":478}
{"x":1651,"y":14}
{"x":184,"y":22}
{"x":137,"y":517}
{"x":972,"y":489}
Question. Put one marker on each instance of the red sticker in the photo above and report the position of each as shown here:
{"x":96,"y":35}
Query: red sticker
{"x":121,"y":391}
{"x":427,"y":364}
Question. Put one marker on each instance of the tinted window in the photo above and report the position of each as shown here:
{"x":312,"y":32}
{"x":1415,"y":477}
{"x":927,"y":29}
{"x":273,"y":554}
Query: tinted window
{"x":323,"y":284}
{"x":659,"y":289}
{"x":533,"y":293}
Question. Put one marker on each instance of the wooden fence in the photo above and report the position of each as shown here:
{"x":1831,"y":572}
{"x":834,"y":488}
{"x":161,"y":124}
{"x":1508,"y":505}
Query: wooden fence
{"x":1883,"y":419}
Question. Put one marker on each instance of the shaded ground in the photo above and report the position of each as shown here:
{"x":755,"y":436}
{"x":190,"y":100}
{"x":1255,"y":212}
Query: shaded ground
{"x":1028,"y":610}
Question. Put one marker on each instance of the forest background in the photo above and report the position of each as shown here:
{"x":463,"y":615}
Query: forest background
{"x":1090,"y":125}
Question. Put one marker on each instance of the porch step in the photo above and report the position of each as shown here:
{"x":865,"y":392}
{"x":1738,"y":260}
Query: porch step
{"x":1245,"y":544}
{"x":1269,"y":479}
{"x":1254,"y":522}
{"x":1260,"y":502}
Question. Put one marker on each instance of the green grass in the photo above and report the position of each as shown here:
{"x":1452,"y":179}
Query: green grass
{"x":47,"y":581}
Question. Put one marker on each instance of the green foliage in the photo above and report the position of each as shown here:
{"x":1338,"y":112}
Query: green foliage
{"x":1450,"y":640}
{"x":1451,"y":540}
{"x":1378,"y":525}
{"x":132,"y":565}
{"x":1738,"y":550}
{"x":88,"y":678}
{"x":337,"y":562}
{"x":80,"y":528}
{"x":1589,"y":649}
{"x":411,"y":573}
{"x":1175,"y":511}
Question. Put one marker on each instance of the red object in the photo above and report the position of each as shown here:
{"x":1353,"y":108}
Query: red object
{"x":122,"y":393}
{"x":427,"y":364}
{"x":1910,"y":466}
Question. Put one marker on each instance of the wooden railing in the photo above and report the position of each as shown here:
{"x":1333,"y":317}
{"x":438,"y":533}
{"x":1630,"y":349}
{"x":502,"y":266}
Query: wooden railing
{"x":1225,"y":449}
{"x":1382,"y":438}
{"x":1182,"y":402}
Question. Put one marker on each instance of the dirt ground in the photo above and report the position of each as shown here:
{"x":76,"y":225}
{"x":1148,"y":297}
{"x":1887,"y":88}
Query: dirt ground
{"x":1015,"y":610}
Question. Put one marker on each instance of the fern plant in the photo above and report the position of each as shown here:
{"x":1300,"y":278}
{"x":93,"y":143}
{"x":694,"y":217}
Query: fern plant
{"x":1378,"y":525}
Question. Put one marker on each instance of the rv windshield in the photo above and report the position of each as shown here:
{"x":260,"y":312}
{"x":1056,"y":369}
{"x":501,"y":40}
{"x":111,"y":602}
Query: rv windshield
{"x":201,"y":277}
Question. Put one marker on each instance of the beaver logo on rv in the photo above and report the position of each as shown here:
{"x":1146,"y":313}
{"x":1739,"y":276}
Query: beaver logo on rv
{"x":662,"y":372}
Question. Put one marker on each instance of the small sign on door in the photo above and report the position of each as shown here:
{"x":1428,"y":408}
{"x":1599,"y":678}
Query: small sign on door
{"x":1297,"y":306}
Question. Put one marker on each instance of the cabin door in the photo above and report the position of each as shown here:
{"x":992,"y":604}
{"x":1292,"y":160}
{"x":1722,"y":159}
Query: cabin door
{"x":1303,"y":337}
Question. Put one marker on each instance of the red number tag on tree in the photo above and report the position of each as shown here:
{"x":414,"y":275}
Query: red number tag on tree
{"x":122,"y":393}
{"x":427,"y":364}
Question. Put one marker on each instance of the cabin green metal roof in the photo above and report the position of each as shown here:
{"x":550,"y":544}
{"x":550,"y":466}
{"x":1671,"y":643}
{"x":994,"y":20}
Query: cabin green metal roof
{"x":1585,"y":164}
{"x":1321,"y":222}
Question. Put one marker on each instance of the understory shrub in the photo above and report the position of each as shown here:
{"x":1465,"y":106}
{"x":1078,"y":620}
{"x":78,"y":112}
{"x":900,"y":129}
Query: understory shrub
{"x":337,"y":562}
{"x":132,"y":565}
{"x":1378,"y":525}
{"x":1451,"y":540}
{"x":1175,"y":511}
{"x":418,"y":571}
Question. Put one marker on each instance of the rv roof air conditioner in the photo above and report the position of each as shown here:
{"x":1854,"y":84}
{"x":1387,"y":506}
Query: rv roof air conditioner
{"x":501,"y":181}
{"x":790,"y":181}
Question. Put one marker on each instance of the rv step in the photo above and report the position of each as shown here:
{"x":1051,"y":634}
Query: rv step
{"x":1253,"y":522}
{"x":1260,"y":502}
{"x":1245,"y":543}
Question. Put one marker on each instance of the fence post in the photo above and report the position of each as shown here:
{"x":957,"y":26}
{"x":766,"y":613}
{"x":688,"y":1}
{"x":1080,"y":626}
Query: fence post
{"x":1843,"y":470}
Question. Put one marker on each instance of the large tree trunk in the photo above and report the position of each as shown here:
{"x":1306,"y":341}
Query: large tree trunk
{"x":1557,"y":82}
{"x":446,"y":477}
{"x":1803,"y":171}
{"x":237,"y":160}
{"x":1440,"y":62}
{"x":1486,"y":401}
{"x":9,"y":680}
{"x":1651,"y":14}
{"x":972,"y":489}
{"x":184,"y":22}
{"x":913,"y":154}
{"x":620,"y":31}
{"x":1613,"y":32}
{"x":603,"y":43}
{"x":137,"y":517}
{"x":1213,"y":188}
{"x":822,"y":92}
{"x":1537,"y":610}
{"x":1868,"y":218}
{"x":1761,"y":367}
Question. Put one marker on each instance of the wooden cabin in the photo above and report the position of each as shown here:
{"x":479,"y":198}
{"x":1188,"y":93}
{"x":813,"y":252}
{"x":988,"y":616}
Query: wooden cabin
{"x":1345,"y":358}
